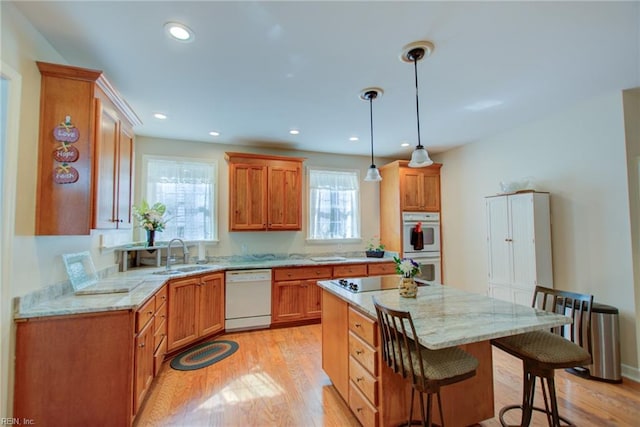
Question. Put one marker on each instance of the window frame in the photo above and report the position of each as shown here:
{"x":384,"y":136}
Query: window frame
{"x":310,"y":240}
{"x":213,"y":163}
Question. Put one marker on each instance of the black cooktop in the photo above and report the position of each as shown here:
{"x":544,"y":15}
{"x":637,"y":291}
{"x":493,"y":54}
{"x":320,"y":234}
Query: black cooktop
{"x":366,"y":284}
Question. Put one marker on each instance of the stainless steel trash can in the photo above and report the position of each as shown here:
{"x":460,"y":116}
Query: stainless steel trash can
{"x":605,"y":341}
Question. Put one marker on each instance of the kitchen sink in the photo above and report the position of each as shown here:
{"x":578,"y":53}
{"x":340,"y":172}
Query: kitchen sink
{"x":193,"y":268}
{"x":182,"y":270}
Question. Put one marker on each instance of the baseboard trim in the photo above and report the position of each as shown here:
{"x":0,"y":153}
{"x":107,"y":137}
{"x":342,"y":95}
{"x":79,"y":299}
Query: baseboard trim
{"x":631,"y":373}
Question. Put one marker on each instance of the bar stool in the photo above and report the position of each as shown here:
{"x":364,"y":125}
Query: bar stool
{"x":429,"y":369}
{"x":543,"y":352}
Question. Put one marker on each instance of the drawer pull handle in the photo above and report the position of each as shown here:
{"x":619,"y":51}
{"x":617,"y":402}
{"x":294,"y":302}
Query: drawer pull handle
{"x":357,"y":325}
{"x":358,"y":409}
{"x":359,"y":352}
{"x":358,"y":379}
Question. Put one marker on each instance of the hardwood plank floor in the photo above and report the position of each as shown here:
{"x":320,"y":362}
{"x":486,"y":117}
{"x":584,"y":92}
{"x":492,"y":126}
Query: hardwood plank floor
{"x":276,"y":379}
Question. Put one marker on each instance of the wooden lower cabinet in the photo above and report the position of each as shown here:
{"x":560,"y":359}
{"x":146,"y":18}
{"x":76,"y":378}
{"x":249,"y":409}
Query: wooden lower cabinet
{"x":381,"y":268}
{"x":376,"y":395}
{"x":196,"y":309}
{"x":75,"y":370}
{"x":295,"y":295}
{"x":144,"y":371}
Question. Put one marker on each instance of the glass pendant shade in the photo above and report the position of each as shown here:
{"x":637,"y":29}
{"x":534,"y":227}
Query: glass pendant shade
{"x":373,"y":174}
{"x":420,"y":158}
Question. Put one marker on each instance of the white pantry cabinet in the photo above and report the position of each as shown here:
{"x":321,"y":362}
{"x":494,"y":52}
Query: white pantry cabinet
{"x":519,"y":245}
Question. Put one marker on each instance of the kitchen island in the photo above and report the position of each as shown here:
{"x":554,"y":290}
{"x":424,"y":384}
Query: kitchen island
{"x":444,"y":317}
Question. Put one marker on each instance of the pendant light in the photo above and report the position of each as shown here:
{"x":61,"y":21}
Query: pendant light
{"x":369,"y":94}
{"x":414,"y":52}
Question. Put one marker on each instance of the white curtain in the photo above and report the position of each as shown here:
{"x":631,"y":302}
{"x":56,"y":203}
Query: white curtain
{"x":187,"y":190}
{"x":334,"y":211}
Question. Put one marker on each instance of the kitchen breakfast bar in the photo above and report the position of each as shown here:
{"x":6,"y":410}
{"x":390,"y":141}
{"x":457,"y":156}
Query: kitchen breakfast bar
{"x":444,"y":317}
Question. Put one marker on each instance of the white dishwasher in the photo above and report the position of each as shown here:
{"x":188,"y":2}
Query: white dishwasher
{"x":247,"y":299}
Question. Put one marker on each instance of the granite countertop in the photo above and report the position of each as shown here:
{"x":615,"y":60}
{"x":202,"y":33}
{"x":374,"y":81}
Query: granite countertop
{"x":60,"y":299}
{"x":445,"y":316}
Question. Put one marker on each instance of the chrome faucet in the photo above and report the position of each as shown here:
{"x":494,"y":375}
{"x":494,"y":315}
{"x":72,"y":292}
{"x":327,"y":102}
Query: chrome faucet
{"x":185,"y":253}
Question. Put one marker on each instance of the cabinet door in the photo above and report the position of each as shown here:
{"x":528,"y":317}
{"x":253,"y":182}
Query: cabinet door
{"x":286,"y":301}
{"x":143,"y":364}
{"x":411,"y":197}
{"x":498,"y":236}
{"x":211,"y":298}
{"x":183,"y":312}
{"x":107,"y":132}
{"x":431,"y":192}
{"x":312,"y":294}
{"x":284,"y":198}
{"x":522,"y":240}
{"x":125,"y":178}
{"x":248,"y":207}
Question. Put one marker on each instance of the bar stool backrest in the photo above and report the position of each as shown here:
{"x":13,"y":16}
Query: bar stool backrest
{"x":400,"y":348}
{"x":571,"y":304}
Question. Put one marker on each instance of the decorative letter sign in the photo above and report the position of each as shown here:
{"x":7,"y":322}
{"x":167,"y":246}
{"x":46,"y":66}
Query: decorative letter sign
{"x":66,"y":134}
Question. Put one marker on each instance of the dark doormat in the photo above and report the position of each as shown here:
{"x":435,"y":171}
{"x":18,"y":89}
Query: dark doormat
{"x":204,"y":354}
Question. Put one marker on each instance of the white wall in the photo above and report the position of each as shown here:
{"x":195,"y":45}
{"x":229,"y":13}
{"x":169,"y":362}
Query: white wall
{"x":231,"y":243}
{"x":579,"y":157}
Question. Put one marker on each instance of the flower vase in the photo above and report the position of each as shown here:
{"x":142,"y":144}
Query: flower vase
{"x":408,"y":287}
{"x":151,"y":236}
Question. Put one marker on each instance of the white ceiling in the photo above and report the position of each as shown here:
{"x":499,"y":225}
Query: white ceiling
{"x":257,"y":69}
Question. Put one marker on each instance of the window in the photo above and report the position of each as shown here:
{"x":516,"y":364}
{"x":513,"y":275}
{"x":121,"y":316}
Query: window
{"x":187,"y":189}
{"x":334,"y":204}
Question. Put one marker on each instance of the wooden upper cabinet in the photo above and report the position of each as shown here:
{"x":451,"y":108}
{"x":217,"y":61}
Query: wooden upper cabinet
{"x":420,"y":189}
{"x":265,"y":192}
{"x":248,"y":197}
{"x":85,"y":167}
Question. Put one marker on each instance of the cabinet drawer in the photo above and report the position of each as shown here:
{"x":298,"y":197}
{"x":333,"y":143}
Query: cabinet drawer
{"x":145,"y":313}
{"x":381,"y":268}
{"x":363,"y":353}
{"x":160,"y":332}
{"x":353,"y":270}
{"x":158,"y":356}
{"x":161,"y":297}
{"x":160,"y":317}
{"x":302,"y":273}
{"x":366,"y":382}
{"x":366,"y":413}
{"x":363,"y":326}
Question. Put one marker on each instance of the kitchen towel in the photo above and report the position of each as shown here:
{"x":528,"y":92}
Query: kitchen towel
{"x":417,"y":237}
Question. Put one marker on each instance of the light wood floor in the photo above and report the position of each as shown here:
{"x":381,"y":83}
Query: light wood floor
{"x":276,"y":379}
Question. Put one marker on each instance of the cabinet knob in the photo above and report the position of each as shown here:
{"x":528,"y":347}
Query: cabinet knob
{"x":359,"y":352}
{"x":358,"y":379}
{"x":358,"y":409}
{"x":357,"y":325}
{"x":141,"y":344}
{"x":149,"y":312}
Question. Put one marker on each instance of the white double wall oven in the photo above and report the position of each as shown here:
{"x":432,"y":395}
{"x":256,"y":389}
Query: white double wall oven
{"x":421,"y":242}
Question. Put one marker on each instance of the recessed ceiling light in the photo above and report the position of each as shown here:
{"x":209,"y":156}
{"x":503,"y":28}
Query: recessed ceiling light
{"x":160,"y":116}
{"x":405,"y":144}
{"x":353,"y":138}
{"x":294,"y":131}
{"x":179,"y":31}
{"x":214,"y":133}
